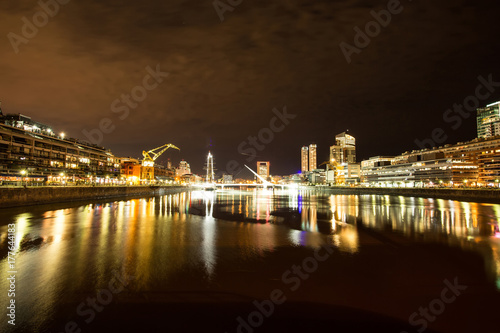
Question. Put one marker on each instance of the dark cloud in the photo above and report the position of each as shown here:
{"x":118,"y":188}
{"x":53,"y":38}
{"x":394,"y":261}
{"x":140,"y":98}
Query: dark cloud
{"x":226,"y":77}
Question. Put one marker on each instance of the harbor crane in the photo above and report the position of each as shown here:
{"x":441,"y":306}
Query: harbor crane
{"x":339,"y":171}
{"x":151,"y":155}
{"x":148,"y":162}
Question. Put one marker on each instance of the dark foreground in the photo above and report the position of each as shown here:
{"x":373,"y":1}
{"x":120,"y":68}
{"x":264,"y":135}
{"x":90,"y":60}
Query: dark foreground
{"x":377,"y":289}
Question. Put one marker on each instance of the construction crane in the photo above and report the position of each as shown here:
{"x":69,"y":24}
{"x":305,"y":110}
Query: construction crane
{"x":151,"y":155}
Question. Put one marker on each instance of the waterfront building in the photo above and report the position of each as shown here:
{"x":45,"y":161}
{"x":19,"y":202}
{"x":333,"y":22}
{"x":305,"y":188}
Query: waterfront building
{"x":227,"y":179}
{"x":134,"y":173}
{"x":263,"y":169}
{"x":488,"y":121}
{"x":164,"y":174}
{"x":304,"y":159}
{"x":317,"y":176}
{"x":344,"y":149}
{"x":312,"y":157}
{"x":376,"y":161}
{"x":473,"y":163}
{"x":131,"y":170}
{"x":183,"y":169}
{"x":29,"y":149}
{"x":353,"y":173}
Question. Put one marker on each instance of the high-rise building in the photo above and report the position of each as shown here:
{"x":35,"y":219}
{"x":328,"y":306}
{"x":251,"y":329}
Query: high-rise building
{"x":312,"y":157}
{"x":263,"y":169}
{"x":488,"y":120}
{"x":344,"y":150}
{"x":304,"y":158}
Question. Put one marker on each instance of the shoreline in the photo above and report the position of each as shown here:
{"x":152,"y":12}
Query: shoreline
{"x":12,"y":197}
{"x":459,"y":194}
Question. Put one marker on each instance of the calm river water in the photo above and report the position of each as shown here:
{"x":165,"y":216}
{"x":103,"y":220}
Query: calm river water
{"x":178,"y":241}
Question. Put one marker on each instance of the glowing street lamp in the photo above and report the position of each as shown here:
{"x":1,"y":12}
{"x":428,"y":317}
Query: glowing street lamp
{"x":23,"y":173}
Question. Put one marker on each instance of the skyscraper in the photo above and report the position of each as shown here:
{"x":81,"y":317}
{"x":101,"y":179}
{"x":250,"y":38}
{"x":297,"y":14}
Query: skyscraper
{"x":488,"y":120}
{"x":344,"y":150}
{"x":312,"y":157}
{"x":263,"y":169}
{"x":304,"y":158}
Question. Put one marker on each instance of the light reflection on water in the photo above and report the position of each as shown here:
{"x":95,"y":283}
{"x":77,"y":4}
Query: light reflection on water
{"x":67,"y":254}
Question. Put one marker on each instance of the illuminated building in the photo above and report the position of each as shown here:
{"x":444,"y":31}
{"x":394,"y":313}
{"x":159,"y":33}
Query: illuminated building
{"x":131,"y":169}
{"x":163,"y":174}
{"x":304,"y":158}
{"x":476,"y":162}
{"x":488,"y":121}
{"x":227,"y":179}
{"x":353,"y":173}
{"x":344,"y":150}
{"x":32,"y":147}
{"x":263,"y":169}
{"x":373,"y":162}
{"x":312,"y":157}
{"x":183,"y":169}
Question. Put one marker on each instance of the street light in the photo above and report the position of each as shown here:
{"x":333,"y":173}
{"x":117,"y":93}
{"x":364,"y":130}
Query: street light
{"x":23,"y":172}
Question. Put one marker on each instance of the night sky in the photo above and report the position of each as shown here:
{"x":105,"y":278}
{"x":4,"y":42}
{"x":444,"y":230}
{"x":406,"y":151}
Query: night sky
{"x":226,"y":77}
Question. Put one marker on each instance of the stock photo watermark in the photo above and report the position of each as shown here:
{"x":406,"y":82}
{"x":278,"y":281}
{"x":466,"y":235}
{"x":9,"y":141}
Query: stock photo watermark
{"x":292,"y":280}
{"x":425,"y":315}
{"x":122,"y":105}
{"x":89,"y":308}
{"x":372,"y":29}
{"x":30,"y":28}
{"x":11,"y":262}
{"x":256,"y":143}
{"x":221,"y":7}
{"x":461,"y":111}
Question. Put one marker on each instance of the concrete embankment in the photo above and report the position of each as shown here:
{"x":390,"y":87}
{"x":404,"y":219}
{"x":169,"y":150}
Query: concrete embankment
{"x":18,"y":196}
{"x":462,"y":194}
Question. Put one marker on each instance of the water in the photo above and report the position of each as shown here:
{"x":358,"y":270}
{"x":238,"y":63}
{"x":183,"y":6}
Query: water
{"x":200,"y":240}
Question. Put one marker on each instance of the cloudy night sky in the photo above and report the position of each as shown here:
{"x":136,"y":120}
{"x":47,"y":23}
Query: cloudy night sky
{"x":226,"y":77}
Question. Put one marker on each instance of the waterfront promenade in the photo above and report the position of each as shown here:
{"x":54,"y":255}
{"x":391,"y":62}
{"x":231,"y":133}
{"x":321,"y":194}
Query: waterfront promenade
{"x":13,"y":196}
{"x":25,"y":196}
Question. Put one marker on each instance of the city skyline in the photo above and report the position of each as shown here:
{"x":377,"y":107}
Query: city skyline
{"x":203,"y":83}
{"x":32,"y":157}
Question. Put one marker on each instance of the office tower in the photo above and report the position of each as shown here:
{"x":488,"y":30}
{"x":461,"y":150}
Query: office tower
{"x":312,"y":157}
{"x":304,"y":158}
{"x":488,"y":121}
{"x":263,"y":169}
{"x":344,"y":150}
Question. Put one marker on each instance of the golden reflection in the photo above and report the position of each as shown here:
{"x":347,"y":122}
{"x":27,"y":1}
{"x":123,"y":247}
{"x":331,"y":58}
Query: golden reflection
{"x":158,"y":240}
{"x":347,"y":240}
